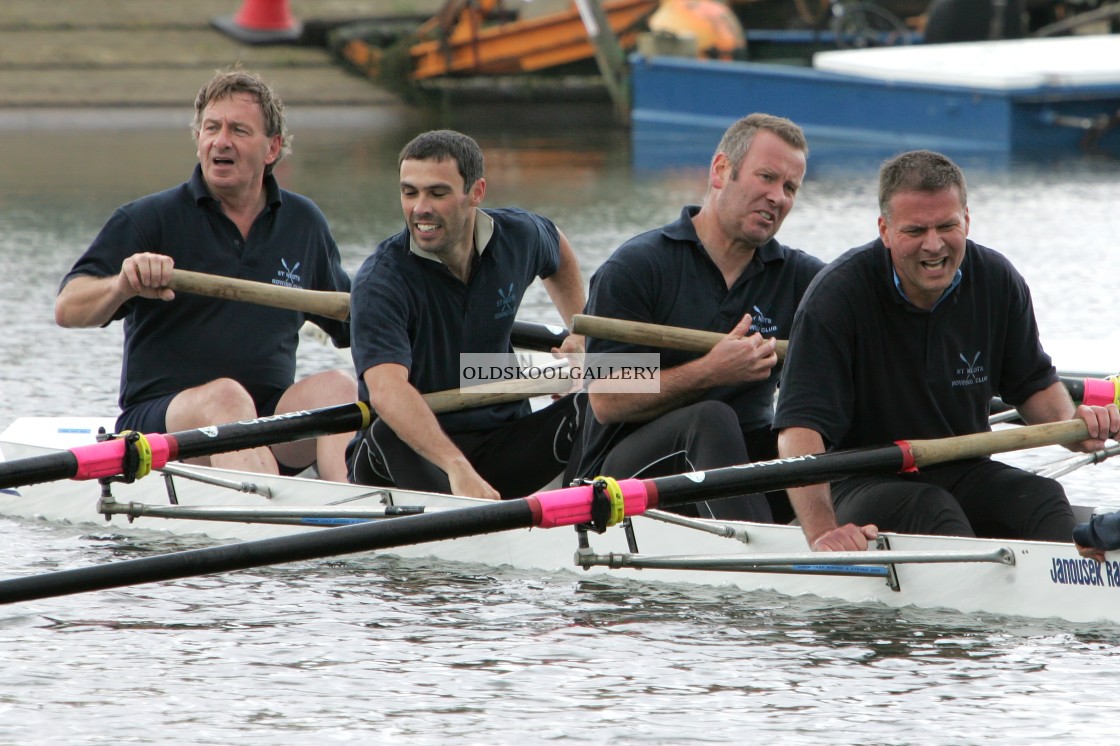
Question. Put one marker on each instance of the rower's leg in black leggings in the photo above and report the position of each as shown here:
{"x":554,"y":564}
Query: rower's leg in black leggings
{"x":701,"y":436}
{"x":382,"y":459}
{"x":1004,"y":502}
{"x":527,"y":454}
{"x":899,"y":504}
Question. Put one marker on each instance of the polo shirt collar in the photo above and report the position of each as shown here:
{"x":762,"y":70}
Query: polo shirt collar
{"x":948,"y":291}
{"x":897,"y":281}
{"x":483,"y":232}
{"x":683,"y":229}
{"x":199,"y":192}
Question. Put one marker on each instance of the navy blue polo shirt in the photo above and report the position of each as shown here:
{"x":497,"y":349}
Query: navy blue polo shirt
{"x":172,"y":346}
{"x":665,"y":276}
{"x":411,"y":310}
{"x":866,"y":367}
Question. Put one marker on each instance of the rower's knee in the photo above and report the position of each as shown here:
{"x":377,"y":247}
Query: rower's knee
{"x":322,"y":389}
{"x":217,"y":402}
{"x":901,"y":507}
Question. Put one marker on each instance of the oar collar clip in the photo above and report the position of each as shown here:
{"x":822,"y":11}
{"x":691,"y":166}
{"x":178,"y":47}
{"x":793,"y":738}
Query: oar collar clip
{"x":137,"y":460}
{"x":608,"y":505}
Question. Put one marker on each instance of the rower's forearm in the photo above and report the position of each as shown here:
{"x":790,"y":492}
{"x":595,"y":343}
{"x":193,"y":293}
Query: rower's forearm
{"x":567,"y":295}
{"x":813,"y":506}
{"x":813,"y":503}
{"x":409,"y":416}
{"x":565,"y":286}
{"x":1052,"y":404}
{"x":87,"y":301}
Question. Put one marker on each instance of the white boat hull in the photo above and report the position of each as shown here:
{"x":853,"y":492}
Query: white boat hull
{"x":1045,"y":580}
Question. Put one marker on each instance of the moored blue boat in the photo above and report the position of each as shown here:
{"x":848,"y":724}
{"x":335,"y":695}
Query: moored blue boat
{"x":995,"y":99}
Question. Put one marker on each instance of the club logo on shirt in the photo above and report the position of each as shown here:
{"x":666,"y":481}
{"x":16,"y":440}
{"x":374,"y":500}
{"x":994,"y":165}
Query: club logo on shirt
{"x":286,"y":276}
{"x":971,"y":374}
{"x":762,"y":323}
{"x":507,"y":303}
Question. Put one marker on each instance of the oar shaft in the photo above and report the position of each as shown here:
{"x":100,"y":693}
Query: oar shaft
{"x":653,"y":335}
{"x":765,"y":476}
{"x":528,"y":335}
{"x":333,"y":305}
{"x":106,"y":459}
{"x":278,"y":428}
{"x":50,"y":467}
{"x":929,"y":452}
{"x":498,"y":516}
{"x":563,"y":507}
{"x":330,"y":304}
{"x":497,"y":392}
{"x":547,"y":510}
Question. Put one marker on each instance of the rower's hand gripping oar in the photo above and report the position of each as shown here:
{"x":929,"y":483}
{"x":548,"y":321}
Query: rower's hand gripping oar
{"x":653,"y":335}
{"x":332,"y":305}
{"x":329,"y":304}
{"x":564,"y":507}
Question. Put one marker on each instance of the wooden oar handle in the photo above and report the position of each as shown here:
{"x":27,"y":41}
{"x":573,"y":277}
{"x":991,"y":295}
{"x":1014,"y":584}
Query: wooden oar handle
{"x":498,"y":392}
{"x":333,"y":305}
{"x":929,"y":452}
{"x":652,"y":335}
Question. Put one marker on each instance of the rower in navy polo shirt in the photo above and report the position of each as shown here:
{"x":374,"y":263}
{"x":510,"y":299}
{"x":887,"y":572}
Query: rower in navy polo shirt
{"x":717,"y":268}
{"x":910,"y":336}
{"x":452,"y":283}
{"x":191,"y":361}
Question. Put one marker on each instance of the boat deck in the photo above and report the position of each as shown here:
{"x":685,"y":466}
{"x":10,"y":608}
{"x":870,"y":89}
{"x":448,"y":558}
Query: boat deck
{"x":1066,"y":62}
{"x":990,"y":101}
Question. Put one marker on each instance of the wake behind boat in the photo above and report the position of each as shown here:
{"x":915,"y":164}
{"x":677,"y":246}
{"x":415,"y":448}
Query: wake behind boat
{"x":1034,"y":579}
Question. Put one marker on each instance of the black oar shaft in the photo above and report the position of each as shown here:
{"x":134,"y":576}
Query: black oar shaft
{"x":280,"y":428}
{"x":49,"y":467}
{"x":765,"y":476}
{"x":498,"y":516}
{"x":559,"y":507}
{"x":528,"y":335}
{"x":1075,"y":387}
{"x":547,"y":509}
{"x":105,"y":459}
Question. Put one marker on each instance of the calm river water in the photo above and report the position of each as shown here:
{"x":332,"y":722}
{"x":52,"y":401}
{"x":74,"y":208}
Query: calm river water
{"x":381,"y":650}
